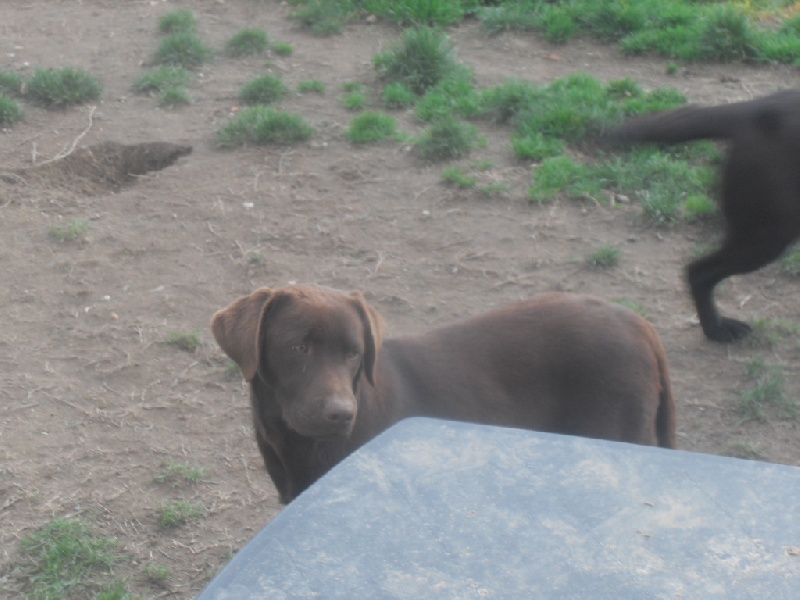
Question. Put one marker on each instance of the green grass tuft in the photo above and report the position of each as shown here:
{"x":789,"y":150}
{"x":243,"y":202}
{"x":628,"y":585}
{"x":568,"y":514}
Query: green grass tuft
{"x":256,"y":258}
{"x":69,"y":232}
{"x":161,"y":78}
{"x":178,"y":473}
{"x":172,"y":97}
{"x":456,"y":176}
{"x":311,"y":87}
{"x":504,"y":102}
{"x":445,"y":139}
{"x":182,"y":49}
{"x":422,"y":59}
{"x":561,"y":173}
{"x":179,"y":20}
{"x":455,"y":95}
{"x":57,"y":88}
{"x":179,"y":512}
{"x":10,"y":83}
{"x":634,"y":306}
{"x":158,"y":574}
{"x":767,"y":397}
{"x":325,"y":17}
{"x":419,"y":12}
{"x":247,"y":42}
{"x":66,"y":559}
{"x":10,"y":112}
{"x":263,"y":125}
{"x":397,"y":95}
{"x":264,"y":90}
{"x":372,"y":127}
{"x":188,"y":342}
{"x":790,"y":262}
{"x":282,"y":48}
{"x":606,"y":257}
{"x":354,"y":101}
{"x":535,"y":146}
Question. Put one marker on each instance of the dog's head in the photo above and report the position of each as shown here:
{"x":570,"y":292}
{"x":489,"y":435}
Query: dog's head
{"x":310,"y":345}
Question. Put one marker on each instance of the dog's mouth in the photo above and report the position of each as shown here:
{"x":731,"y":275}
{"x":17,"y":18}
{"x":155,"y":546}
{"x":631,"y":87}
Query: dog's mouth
{"x":320,"y":430}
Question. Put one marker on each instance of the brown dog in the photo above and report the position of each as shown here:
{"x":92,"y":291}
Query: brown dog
{"x":760,"y":196}
{"x":323,"y":382}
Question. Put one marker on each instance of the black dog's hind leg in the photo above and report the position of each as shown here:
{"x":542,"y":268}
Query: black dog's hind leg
{"x":741,"y":252}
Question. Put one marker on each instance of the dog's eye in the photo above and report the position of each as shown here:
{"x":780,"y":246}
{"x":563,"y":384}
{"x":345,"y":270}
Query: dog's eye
{"x":353,"y":355}
{"x":300,"y":348}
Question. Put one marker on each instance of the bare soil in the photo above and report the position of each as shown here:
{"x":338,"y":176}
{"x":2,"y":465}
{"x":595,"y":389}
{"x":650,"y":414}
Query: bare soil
{"x":92,"y":399}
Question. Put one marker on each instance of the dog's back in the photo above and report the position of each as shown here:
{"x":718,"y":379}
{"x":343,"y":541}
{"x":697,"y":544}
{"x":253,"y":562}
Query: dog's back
{"x":775,"y":116}
{"x":565,"y":363}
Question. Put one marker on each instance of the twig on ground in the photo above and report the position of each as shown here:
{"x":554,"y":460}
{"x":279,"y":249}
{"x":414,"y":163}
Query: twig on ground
{"x":63,"y":155}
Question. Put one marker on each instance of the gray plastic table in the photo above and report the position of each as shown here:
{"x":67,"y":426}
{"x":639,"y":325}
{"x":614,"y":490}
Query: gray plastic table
{"x":434,"y":509}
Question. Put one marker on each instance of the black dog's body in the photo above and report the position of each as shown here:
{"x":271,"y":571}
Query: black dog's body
{"x":760,"y":191}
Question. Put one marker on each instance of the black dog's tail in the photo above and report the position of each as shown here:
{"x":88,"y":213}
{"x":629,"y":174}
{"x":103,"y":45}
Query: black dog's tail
{"x":722,"y":122}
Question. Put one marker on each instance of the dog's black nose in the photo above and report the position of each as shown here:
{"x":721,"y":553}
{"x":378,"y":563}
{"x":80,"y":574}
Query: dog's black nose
{"x":340,"y":410}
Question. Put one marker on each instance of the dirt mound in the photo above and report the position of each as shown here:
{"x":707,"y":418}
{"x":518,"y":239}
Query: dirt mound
{"x":100,"y":168}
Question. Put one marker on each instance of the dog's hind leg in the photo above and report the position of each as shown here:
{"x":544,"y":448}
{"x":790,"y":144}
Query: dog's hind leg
{"x":741,"y":252}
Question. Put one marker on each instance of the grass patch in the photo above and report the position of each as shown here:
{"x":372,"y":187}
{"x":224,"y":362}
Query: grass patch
{"x":454,"y":95}
{"x":264,"y":90}
{"x":634,"y":306}
{"x":535,"y":146}
{"x":668,"y":186}
{"x":502,"y":103}
{"x":790,"y":262}
{"x":233,"y":371}
{"x":372,"y":127}
{"x":313,"y":86}
{"x":681,"y":30}
{"x":397,"y":95}
{"x":179,"y":512}
{"x":10,"y":83}
{"x":354,"y":100}
{"x":263,"y":125}
{"x":10,"y":112}
{"x":57,"y":88}
{"x":70,"y":232}
{"x":188,"y":342}
{"x":767,"y":396}
{"x":419,"y":12}
{"x":420,"y":60}
{"x":172,"y":97}
{"x":176,"y":473}
{"x":256,"y":258}
{"x":66,"y":559}
{"x":325,"y":17}
{"x":163,"y":78}
{"x":561,"y":173}
{"x":282,"y":48}
{"x":494,"y":189}
{"x":603,"y":258}
{"x":458,"y":177}
{"x":247,"y":42}
{"x":158,"y":574}
{"x":176,"y":21}
{"x":447,"y":138}
{"x":768,"y":333}
{"x":182,"y":49}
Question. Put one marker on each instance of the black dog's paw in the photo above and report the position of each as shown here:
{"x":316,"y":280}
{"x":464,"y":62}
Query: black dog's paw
{"x":727,"y":330}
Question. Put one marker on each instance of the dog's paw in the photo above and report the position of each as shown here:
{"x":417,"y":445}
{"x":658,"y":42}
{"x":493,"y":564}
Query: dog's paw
{"x":727,"y":330}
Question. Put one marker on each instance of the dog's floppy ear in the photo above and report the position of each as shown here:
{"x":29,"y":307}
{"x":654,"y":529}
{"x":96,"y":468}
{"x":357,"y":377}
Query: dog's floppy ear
{"x":236,"y":328}
{"x":373,"y":334}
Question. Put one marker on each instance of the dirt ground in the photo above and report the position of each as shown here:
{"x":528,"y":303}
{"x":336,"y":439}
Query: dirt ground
{"x":92,"y":399}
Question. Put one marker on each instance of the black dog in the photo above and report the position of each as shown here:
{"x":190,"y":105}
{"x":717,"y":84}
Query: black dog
{"x":760,"y":192}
